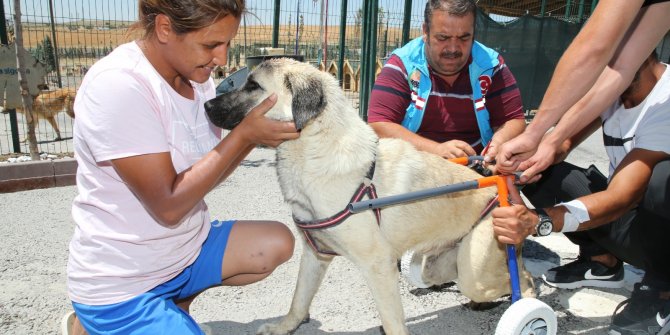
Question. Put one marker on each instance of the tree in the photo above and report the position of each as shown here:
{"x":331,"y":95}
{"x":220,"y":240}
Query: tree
{"x":380,"y":21}
{"x":44,"y":52}
{"x":289,"y":31}
{"x":358,"y":19}
{"x":23,"y":82}
{"x":301,"y":28}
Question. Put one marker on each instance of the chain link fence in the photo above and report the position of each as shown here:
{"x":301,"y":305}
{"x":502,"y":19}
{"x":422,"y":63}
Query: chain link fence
{"x":69,"y":36}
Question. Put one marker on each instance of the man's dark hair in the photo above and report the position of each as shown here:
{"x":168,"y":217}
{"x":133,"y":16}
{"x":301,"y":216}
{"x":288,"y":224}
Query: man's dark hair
{"x":453,"y":7}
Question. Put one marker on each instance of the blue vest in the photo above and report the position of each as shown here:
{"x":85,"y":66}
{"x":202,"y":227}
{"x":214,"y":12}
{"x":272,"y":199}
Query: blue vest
{"x":413,"y":57}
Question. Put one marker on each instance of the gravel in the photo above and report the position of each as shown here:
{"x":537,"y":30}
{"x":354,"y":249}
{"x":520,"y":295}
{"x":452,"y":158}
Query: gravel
{"x":37,"y":228}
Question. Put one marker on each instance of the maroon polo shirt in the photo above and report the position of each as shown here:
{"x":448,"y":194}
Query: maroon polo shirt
{"x":449,"y":114}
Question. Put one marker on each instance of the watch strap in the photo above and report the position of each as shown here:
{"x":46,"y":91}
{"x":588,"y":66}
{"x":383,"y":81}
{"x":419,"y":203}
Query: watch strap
{"x":542,"y":217}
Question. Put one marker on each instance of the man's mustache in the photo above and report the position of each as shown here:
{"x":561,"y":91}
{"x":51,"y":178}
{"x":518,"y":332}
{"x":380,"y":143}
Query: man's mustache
{"x":451,"y":54}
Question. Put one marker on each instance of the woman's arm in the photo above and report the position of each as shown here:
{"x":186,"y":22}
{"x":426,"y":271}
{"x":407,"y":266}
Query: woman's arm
{"x":169,"y":196}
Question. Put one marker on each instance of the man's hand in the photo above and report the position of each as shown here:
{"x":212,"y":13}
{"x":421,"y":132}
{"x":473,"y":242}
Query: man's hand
{"x":544,"y":157}
{"x":511,"y":225}
{"x":454,"y":149}
{"x":513,"y":152}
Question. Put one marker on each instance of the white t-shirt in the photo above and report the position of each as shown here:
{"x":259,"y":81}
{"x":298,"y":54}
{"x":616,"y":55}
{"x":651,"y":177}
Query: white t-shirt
{"x":125,"y":108}
{"x":645,"y":126}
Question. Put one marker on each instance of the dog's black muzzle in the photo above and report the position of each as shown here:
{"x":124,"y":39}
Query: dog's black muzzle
{"x":224,"y":112}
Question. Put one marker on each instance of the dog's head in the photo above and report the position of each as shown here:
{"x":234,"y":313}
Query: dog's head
{"x":299,"y":88}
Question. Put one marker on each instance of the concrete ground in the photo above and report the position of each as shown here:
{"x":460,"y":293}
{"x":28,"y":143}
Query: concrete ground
{"x":37,"y":227}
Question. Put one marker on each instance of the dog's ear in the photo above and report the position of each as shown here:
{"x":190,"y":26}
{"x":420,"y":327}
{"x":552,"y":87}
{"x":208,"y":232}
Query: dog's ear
{"x":308,"y":99}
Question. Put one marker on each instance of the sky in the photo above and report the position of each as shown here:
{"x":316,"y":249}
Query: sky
{"x":126,"y":10}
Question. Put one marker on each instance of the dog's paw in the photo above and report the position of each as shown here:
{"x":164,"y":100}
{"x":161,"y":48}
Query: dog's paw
{"x":286,"y":326}
{"x":269,"y":329}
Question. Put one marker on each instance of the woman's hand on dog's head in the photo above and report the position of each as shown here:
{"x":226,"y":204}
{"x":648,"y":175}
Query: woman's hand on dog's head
{"x":258,"y":129}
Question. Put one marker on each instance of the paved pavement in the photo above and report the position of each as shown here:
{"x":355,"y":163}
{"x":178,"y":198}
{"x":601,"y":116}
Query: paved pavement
{"x":37,"y":227}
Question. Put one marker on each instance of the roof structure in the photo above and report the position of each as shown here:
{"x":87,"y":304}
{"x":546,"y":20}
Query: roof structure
{"x":516,"y":8}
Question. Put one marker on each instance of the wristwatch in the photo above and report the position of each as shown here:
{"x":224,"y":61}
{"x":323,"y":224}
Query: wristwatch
{"x":545,"y":226}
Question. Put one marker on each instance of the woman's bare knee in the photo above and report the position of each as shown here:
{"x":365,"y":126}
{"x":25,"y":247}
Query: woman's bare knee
{"x":283,"y":244}
{"x":257,"y":247}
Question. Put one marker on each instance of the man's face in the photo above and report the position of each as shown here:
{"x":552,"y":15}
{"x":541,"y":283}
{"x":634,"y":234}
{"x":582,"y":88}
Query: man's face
{"x":449,"y":42}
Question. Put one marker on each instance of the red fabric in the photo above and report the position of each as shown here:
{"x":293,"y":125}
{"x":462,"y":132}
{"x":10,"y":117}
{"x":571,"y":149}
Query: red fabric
{"x":450,"y":114}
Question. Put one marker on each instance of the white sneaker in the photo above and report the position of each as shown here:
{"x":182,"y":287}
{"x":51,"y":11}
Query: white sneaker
{"x":66,"y":323}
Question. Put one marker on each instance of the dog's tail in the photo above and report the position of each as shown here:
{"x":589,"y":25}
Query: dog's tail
{"x":69,"y":103}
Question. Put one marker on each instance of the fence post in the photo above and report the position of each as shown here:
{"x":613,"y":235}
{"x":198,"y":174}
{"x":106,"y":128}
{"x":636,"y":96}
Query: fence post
{"x":568,"y":4}
{"x":343,"y":32}
{"x":275,"y":24}
{"x":406,"y":21}
{"x":581,"y":11}
{"x":369,"y":54}
{"x":55,"y":43}
{"x":13,"y":121}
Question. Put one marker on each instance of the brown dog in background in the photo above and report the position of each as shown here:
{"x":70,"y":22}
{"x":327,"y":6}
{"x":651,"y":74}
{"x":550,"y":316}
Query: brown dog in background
{"x":49,"y":103}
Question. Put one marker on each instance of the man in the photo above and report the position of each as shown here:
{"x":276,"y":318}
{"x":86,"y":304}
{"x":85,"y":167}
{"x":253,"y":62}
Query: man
{"x":444,"y":92}
{"x":623,"y":219}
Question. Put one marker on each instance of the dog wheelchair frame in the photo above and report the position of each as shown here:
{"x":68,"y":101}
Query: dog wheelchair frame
{"x":526,"y":316}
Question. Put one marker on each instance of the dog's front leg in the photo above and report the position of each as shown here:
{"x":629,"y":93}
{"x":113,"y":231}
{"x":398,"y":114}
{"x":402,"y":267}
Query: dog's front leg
{"x":381,"y":274}
{"x":311,"y":273}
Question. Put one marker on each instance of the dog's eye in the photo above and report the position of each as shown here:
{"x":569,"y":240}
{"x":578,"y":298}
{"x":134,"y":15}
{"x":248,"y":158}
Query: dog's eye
{"x":251,"y":85}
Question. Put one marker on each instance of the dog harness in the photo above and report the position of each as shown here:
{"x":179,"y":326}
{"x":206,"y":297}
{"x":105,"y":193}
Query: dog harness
{"x":366,"y":188}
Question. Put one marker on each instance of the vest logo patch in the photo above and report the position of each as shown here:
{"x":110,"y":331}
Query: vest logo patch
{"x":414,"y":79}
{"x":419,"y":103}
{"x":485,"y":84}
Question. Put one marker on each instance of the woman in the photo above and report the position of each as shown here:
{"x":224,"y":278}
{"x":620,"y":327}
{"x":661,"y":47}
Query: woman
{"x":143,"y":245}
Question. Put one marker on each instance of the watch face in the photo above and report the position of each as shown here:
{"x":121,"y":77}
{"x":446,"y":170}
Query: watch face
{"x":544,"y":228}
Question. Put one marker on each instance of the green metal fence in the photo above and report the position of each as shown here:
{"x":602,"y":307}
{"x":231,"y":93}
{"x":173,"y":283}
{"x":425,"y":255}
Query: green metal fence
{"x":349,"y":38}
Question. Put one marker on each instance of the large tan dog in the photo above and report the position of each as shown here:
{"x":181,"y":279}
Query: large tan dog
{"x":320,"y":172}
{"x":49,"y":103}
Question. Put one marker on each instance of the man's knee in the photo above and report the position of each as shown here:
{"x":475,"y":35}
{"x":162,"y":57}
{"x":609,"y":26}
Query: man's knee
{"x":656,"y":197}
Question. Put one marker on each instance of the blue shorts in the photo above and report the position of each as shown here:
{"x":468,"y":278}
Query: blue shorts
{"x":156,"y":312}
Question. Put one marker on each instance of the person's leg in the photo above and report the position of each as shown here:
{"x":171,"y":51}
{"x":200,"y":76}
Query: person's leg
{"x":644,"y":246}
{"x":640,"y":238}
{"x":254,"y":251}
{"x":657,"y":196}
{"x":596,"y":266}
{"x":149,"y":313}
{"x":565,"y":182}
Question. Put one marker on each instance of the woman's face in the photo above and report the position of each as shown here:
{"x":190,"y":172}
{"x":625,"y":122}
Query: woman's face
{"x":195,"y":54}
